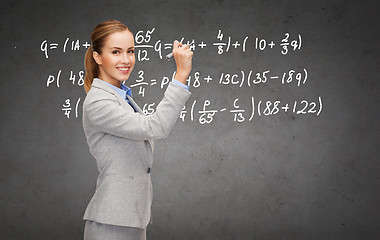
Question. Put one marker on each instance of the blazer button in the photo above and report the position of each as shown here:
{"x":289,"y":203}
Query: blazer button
{"x":148,"y":170}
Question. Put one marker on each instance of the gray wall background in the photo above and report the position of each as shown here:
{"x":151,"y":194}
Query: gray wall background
{"x":286,"y":176}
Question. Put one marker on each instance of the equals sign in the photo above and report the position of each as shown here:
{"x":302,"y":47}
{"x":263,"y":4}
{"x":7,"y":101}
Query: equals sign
{"x":168,"y":45}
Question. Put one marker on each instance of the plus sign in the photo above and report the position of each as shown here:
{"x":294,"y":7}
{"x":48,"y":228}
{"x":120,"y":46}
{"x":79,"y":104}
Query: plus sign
{"x":286,"y":107}
{"x":236,"y":44}
{"x":271,"y":44}
{"x":202,"y":45}
{"x":86,"y":45}
{"x":208,"y":79}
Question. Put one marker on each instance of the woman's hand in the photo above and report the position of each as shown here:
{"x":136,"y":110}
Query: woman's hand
{"x":182,"y":55}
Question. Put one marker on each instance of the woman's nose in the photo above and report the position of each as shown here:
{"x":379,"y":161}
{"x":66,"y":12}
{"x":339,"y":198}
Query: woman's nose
{"x":125,"y":58}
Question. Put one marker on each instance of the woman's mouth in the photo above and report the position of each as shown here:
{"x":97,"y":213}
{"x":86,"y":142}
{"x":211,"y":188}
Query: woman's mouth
{"x":123,"y":69}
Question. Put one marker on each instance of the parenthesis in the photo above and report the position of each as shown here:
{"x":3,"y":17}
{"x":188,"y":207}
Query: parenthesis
{"x":305,"y":75}
{"x":245,"y":40}
{"x":299,"y":37}
{"x":242,"y":80}
{"x":249,"y":78}
{"x":253,"y":108}
{"x":76,"y":108}
{"x":229,"y":43}
{"x":192,"y":110}
{"x":258,"y":108}
{"x":64,"y":46}
{"x":320,"y":105}
{"x":59,"y":74}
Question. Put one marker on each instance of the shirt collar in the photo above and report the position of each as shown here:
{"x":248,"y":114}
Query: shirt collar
{"x":123,"y":92}
{"x":127,"y":90}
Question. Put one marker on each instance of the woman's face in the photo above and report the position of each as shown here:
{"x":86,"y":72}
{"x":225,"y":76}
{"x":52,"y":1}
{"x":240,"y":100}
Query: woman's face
{"x":117,"y":59}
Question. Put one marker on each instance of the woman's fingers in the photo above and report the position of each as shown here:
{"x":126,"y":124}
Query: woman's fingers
{"x":176,"y":44}
{"x":183,"y":57}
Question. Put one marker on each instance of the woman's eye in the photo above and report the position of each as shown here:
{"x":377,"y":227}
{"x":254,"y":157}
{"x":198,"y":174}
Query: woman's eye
{"x":131,"y":51}
{"x":115,"y":52}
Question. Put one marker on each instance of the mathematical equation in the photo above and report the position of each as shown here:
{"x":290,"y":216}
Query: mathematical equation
{"x":204,"y":112}
{"x":242,"y":78}
{"x":222,"y":44}
{"x":207,"y":113}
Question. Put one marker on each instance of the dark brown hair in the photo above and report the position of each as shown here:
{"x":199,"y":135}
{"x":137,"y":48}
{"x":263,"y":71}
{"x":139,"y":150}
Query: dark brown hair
{"x":98,"y":36}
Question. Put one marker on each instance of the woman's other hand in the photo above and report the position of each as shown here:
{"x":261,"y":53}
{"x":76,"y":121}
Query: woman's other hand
{"x":183,"y":58}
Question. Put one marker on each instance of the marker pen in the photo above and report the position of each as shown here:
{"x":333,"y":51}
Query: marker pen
{"x":170,"y":55}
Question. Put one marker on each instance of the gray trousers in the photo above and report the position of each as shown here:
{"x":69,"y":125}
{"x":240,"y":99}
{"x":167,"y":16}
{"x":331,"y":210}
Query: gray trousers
{"x":99,"y":231}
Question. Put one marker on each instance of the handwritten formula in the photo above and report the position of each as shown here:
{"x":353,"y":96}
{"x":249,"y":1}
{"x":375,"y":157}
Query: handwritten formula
{"x":202,"y":111}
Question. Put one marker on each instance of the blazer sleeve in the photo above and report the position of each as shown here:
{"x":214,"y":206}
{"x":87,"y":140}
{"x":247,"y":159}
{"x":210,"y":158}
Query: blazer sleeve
{"x":109,"y":116}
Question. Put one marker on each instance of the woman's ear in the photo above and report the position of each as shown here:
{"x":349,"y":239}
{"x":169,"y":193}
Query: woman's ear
{"x":97,"y":58}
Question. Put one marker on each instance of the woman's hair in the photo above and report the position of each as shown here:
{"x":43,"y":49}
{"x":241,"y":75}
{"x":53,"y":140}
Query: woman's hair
{"x":98,"y":37}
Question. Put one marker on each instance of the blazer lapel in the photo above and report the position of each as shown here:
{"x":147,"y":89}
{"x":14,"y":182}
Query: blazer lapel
{"x":99,"y":84}
{"x":134,"y":105}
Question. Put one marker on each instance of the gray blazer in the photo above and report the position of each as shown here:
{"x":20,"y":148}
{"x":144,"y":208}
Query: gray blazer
{"x":121,"y":141}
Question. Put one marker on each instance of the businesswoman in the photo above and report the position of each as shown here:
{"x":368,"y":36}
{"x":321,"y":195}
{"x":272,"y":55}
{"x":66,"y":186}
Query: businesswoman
{"x":120,"y":136}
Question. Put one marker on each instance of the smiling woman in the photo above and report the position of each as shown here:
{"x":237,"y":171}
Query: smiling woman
{"x":117,"y":59}
{"x":120,"y":136}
